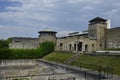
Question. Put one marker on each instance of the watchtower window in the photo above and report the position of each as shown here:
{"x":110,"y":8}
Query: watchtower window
{"x":51,"y":34}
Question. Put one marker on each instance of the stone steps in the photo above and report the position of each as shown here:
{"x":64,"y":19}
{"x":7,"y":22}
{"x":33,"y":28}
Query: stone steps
{"x":74,"y":57}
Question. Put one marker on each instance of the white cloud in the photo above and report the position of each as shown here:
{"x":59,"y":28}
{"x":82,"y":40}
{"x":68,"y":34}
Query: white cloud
{"x":114,"y":12}
{"x":70,"y":14}
{"x":33,"y":4}
{"x":84,"y":1}
{"x":13,"y":31}
{"x":64,"y":33}
{"x":28,"y":13}
{"x":88,"y":8}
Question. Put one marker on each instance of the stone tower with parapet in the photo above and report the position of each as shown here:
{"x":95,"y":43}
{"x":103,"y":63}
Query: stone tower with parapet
{"x":96,"y":29}
{"x":47,"y":35}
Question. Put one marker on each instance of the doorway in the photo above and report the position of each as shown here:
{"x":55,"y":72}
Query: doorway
{"x":79,"y":46}
{"x":86,"y":47}
{"x":70,"y":47}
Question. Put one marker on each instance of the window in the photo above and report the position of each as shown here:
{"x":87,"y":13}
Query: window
{"x":18,"y":41}
{"x":92,"y":45}
{"x":74,"y":46}
{"x":100,"y":45}
{"x":61,"y":44}
{"x":86,"y":47}
{"x":70,"y":46}
{"x":39,"y":44}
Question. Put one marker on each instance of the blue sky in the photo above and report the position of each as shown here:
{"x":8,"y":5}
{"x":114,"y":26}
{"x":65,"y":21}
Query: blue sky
{"x":24,"y":18}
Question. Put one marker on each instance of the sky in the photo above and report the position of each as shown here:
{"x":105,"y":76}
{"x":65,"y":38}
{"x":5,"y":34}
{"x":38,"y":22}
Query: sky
{"x":24,"y":18}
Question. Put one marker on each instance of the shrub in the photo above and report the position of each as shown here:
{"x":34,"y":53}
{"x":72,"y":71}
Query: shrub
{"x":5,"y":53}
{"x":44,"y":49}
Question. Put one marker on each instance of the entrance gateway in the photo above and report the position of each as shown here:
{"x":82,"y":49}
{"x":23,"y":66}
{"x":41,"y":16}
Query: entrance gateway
{"x":78,"y":46}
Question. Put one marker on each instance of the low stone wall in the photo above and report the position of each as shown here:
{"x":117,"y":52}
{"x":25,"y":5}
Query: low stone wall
{"x":17,"y":68}
{"x":17,"y":62}
{"x":108,"y":53}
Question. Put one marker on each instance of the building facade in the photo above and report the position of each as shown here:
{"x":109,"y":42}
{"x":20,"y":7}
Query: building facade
{"x":24,"y":43}
{"x":97,"y":37}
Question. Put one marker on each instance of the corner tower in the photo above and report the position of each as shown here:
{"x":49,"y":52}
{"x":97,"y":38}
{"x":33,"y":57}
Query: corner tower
{"x":47,"y":35}
{"x":96,"y":31}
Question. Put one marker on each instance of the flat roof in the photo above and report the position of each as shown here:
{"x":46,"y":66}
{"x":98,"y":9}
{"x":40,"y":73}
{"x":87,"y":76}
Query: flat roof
{"x":47,"y":31}
{"x":73,"y":35}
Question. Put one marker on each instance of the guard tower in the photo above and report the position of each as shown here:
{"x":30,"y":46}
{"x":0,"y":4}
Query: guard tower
{"x":47,"y":35}
{"x":96,"y":31}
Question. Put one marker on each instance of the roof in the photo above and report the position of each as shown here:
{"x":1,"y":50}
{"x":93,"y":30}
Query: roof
{"x":27,"y":38}
{"x":79,"y":34}
{"x":47,"y":30}
{"x":73,"y":35}
{"x":97,"y":19}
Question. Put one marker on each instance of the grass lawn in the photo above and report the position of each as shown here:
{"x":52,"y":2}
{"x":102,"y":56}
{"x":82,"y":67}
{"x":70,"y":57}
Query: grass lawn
{"x":88,"y":61}
{"x":58,"y":57}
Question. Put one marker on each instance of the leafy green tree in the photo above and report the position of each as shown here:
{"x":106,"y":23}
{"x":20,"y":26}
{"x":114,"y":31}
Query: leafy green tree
{"x":46,"y":47}
{"x":5,"y":43}
{"x":8,"y":41}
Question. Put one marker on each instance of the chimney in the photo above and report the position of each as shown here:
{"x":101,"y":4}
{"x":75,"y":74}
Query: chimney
{"x":108,"y":24}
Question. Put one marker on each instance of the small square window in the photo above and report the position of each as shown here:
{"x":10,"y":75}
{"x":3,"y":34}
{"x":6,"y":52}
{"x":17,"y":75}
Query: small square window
{"x":92,"y":45}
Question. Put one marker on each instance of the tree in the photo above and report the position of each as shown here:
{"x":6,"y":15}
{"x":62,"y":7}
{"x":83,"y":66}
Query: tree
{"x":9,"y":40}
{"x":5,"y":43}
{"x":46,"y":48}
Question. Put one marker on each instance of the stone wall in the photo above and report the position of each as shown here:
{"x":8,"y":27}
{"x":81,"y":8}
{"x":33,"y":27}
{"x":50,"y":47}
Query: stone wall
{"x":113,"y":38}
{"x":71,"y":43}
{"x":47,"y":38}
{"x":10,"y":68}
{"x":97,"y":38}
{"x":24,"y":44}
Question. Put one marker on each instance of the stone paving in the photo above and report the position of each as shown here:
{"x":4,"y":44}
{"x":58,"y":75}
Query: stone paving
{"x":35,"y":71}
{"x":46,"y":70}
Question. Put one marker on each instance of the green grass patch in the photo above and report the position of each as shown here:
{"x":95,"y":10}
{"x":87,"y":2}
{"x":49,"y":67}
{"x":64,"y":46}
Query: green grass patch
{"x":92,"y":62}
{"x":113,"y":49}
{"x":58,"y":57}
{"x":88,"y":61}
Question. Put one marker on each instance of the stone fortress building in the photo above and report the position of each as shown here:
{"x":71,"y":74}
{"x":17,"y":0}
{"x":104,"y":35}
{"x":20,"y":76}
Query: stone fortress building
{"x":99,"y":36}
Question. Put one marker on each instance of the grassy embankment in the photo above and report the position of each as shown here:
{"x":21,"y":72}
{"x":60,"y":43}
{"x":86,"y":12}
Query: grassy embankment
{"x":88,"y":61}
{"x":58,"y":57}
